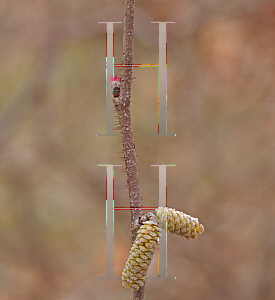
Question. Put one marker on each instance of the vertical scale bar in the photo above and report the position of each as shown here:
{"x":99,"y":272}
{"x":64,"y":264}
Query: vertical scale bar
{"x":162,"y":255}
{"x":109,"y":74}
{"x":162,"y":80}
{"x":109,"y":224}
{"x":109,"y":221}
{"x":163,"y":241}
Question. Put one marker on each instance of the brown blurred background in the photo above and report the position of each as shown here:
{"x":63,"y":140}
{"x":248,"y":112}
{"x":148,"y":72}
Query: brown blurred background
{"x":221,"y":75}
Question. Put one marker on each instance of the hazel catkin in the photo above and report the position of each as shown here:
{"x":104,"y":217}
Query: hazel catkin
{"x":141,"y":254}
{"x":179,"y":222}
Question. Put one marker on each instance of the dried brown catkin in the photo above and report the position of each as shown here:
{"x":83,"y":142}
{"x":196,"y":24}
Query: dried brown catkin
{"x":141,"y":254}
{"x":179,"y":222}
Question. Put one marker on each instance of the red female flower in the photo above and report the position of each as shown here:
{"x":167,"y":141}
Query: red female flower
{"x":115,"y":86}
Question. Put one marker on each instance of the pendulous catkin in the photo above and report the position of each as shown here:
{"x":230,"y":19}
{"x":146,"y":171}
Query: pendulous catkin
{"x":141,"y":254}
{"x":179,"y":222}
{"x":144,"y":246}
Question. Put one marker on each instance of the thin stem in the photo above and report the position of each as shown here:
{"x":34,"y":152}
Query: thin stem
{"x":124,"y":116}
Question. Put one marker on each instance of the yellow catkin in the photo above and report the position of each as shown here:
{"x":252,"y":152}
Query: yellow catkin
{"x":179,"y":222}
{"x":141,"y":254}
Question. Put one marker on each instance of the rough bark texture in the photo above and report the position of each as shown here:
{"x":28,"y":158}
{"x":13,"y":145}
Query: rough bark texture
{"x":124,"y":116}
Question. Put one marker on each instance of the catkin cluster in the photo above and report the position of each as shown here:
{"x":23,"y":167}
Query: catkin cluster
{"x":179,"y":222}
{"x":141,"y":254}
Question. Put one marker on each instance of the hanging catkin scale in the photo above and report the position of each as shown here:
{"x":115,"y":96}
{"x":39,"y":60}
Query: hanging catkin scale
{"x":179,"y":222}
{"x":141,"y":254}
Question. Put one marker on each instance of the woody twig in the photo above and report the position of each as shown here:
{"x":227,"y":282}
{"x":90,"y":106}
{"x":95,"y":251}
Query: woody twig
{"x":125,"y":124}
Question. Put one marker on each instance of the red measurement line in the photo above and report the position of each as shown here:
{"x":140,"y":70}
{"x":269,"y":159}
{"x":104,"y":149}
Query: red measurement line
{"x":134,"y":65}
{"x":134,"y":208}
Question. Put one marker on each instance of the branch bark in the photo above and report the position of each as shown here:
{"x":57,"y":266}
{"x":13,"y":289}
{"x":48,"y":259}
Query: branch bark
{"x":124,"y":116}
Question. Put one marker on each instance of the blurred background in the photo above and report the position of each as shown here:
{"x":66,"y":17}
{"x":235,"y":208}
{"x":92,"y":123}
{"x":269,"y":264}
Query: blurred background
{"x":221,"y":73}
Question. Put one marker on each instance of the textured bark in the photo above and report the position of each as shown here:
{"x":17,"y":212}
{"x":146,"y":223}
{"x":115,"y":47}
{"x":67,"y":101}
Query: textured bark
{"x":124,"y":116}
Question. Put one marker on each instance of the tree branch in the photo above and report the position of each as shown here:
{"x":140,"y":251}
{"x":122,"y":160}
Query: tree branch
{"x":124,"y":116}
